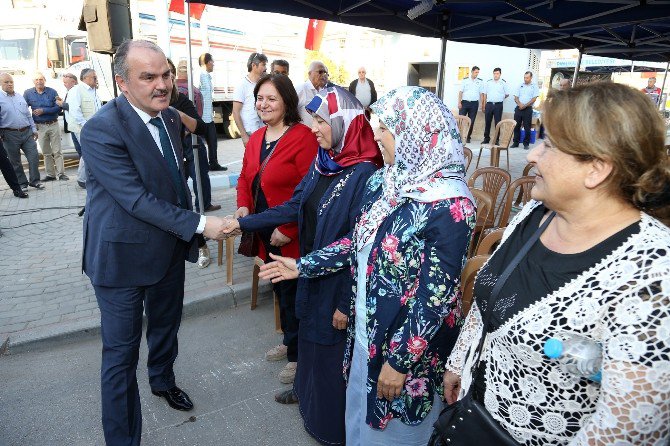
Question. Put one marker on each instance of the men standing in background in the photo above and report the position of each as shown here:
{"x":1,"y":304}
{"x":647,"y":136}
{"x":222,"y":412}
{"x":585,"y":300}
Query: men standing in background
{"x":364,"y":90}
{"x":468,"y":98}
{"x":525,"y":97}
{"x":206,"y":62}
{"x":279,"y":66}
{"x":83,"y":103}
{"x":244,"y":103}
{"x":18,"y":133}
{"x":10,"y":176}
{"x":69,"y":81}
{"x":652,"y":91}
{"x":494,"y":93}
{"x":42,"y":102}
{"x":317,"y":77}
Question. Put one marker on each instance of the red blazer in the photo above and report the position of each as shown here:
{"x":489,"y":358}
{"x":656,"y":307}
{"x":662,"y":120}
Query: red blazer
{"x":289,"y":163}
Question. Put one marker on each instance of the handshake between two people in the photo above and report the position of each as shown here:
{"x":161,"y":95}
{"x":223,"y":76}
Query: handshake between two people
{"x":218,"y":228}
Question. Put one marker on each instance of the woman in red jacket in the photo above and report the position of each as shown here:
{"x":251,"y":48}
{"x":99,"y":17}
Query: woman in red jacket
{"x":276,"y":158}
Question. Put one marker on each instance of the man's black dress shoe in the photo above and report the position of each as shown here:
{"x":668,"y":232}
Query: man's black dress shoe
{"x":36,"y":185}
{"x":515,"y":145}
{"x":20,"y":193}
{"x":176,"y":398}
{"x":217,"y":167}
{"x":49,"y":178}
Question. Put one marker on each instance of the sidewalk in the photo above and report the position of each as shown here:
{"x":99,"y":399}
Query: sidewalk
{"x":43,"y":293}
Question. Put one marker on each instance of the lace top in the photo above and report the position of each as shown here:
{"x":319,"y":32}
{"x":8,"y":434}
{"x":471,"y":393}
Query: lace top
{"x":623,"y":302}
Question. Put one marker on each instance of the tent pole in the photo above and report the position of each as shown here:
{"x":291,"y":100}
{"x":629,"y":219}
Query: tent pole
{"x":579,"y":62}
{"x":194,"y":139}
{"x":440,"y":69}
{"x":665,"y":77}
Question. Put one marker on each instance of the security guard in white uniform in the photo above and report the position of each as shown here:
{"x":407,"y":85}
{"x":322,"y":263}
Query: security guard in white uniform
{"x":494,"y":93}
{"x":468,"y":97}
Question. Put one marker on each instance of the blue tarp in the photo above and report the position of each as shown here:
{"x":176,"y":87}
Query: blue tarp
{"x":627,"y":29}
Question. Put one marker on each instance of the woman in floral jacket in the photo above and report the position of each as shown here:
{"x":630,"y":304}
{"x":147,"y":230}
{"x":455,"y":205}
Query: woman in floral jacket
{"x":406,"y":254}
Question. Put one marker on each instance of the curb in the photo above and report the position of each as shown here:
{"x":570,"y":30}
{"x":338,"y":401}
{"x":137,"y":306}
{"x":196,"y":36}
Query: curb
{"x":224,"y":181}
{"x":230,"y":296}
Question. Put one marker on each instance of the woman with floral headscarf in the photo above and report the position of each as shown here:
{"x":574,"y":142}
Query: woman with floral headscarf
{"x":325,"y":205}
{"x":406,"y":254}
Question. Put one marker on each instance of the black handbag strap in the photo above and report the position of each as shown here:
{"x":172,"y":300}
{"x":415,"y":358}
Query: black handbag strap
{"x":503,"y":279}
{"x":265,"y":163}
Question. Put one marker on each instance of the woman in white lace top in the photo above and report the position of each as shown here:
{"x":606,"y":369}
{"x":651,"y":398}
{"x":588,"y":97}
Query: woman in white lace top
{"x":600,"y":269}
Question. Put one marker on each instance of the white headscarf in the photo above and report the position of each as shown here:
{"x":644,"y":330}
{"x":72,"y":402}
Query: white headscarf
{"x":429,"y":162}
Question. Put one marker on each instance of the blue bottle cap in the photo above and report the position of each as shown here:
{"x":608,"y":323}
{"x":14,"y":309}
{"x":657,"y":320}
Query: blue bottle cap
{"x":553,"y":348}
{"x":597,"y":377}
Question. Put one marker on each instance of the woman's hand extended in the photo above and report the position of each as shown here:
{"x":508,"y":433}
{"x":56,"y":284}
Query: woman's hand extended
{"x":278,"y":239}
{"x":452,"y":387}
{"x":390,"y":382}
{"x":283,"y":268}
{"x":340,"y":320}
{"x":241,"y":212}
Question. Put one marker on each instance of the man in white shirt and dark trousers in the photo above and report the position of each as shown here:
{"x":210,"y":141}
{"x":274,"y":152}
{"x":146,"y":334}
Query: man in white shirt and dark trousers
{"x":468,"y":98}
{"x":206,"y":62}
{"x":525,"y":97}
{"x":244,"y":103}
{"x":494,"y":93}
{"x":83,"y":103}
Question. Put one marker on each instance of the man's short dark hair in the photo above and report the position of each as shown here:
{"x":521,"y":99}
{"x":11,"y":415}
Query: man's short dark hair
{"x":204,"y":59}
{"x":280,"y":62}
{"x":475,"y":68}
{"x":497,"y":69}
{"x":529,"y":72}
{"x":85,"y":72}
{"x":287,"y":92}
{"x":255,"y":59}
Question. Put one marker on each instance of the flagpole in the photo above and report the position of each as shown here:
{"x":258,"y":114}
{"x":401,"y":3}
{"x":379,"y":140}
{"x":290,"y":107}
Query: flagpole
{"x":194,"y":138}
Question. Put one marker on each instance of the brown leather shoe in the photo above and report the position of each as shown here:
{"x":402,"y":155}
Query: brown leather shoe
{"x":213,"y":207}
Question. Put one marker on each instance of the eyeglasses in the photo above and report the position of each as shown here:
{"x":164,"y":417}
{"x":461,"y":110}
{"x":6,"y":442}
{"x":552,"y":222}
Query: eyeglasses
{"x":321,"y":71}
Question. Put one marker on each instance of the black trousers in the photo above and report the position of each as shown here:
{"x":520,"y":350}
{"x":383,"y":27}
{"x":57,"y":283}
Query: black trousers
{"x":212,"y":144}
{"x":8,"y":170}
{"x":285,"y":292}
{"x":524,"y":117}
{"x":121,"y":311}
{"x":469,"y":109}
{"x":492,"y":111}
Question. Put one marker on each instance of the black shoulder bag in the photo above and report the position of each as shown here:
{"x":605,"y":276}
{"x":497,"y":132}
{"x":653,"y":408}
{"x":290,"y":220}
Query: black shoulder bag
{"x":249,"y":242}
{"x":467,"y":422}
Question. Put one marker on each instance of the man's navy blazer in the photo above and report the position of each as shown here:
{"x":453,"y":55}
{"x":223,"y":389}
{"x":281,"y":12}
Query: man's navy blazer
{"x":132,"y":221}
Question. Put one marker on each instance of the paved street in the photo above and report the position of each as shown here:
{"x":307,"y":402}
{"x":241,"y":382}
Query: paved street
{"x":51,"y":396}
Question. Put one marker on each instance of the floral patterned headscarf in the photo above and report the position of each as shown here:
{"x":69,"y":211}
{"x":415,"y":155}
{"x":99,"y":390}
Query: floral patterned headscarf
{"x":352,"y":137}
{"x":429,"y":162}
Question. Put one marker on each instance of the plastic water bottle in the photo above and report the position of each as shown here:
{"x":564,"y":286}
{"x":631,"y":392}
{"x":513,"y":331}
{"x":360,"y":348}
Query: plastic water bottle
{"x":578,"y":355}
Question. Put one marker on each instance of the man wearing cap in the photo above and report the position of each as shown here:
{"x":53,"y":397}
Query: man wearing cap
{"x":468,"y":97}
{"x":494,"y":93}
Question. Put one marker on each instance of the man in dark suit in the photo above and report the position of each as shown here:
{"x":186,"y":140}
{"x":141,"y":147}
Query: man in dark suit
{"x":138,"y":230}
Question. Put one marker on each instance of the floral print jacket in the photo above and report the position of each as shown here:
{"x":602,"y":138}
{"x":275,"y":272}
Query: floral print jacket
{"x":413,"y":303}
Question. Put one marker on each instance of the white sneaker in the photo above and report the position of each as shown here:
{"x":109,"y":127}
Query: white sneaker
{"x":287,"y":374}
{"x":276,"y":353}
{"x":203,"y":257}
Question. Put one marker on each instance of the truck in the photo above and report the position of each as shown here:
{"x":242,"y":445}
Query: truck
{"x":43,"y":35}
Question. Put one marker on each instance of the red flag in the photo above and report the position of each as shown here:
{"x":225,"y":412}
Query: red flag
{"x":315,"y":30}
{"x":196,"y":8}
